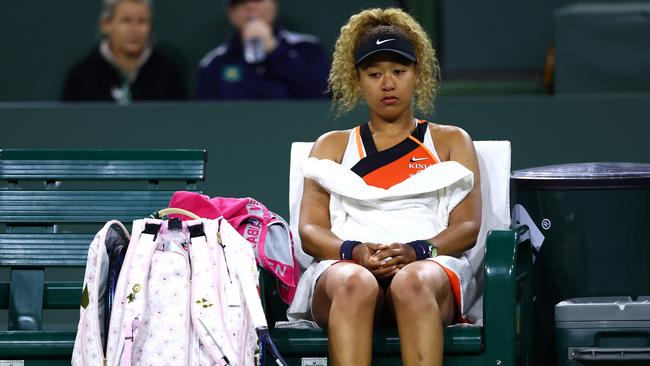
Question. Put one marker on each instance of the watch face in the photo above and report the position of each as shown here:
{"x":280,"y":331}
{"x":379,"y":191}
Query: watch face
{"x":434,"y":251}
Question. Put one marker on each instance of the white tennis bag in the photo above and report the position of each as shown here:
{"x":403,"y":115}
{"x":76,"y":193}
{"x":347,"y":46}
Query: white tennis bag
{"x":186,"y":295}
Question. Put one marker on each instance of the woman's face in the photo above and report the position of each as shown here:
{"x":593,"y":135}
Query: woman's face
{"x":243,"y":11}
{"x":129,"y":29}
{"x":387,"y":85}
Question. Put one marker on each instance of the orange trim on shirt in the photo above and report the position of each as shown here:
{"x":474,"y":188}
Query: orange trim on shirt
{"x":433,"y":157}
{"x":357,"y":131}
{"x":455,"y":287}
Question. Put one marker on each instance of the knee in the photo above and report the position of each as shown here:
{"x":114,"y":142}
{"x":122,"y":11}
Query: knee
{"x":356,"y":284}
{"x":412,"y":286}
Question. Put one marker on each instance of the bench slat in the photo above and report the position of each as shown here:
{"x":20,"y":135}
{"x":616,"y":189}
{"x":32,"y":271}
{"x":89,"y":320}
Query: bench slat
{"x":167,"y":164}
{"x":102,"y":170}
{"x":56,"y":250}
{"x":36,"y":343}
{"x":458,"y":340}
{"x":79,"y":206}
{"x":62,"y":295}
{"x":103,"y":154}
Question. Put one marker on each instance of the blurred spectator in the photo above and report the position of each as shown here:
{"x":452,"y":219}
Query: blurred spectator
{"x":262,"y":60}
{"x":124,"y":67}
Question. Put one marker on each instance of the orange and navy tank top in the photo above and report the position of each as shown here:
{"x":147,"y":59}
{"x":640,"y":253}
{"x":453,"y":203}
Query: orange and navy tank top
{"x":388,"y":167}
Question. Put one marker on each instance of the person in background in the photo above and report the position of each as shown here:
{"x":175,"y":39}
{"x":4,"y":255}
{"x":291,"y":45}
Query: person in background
{"x":261,"y":60}
{"x":125,"y":66}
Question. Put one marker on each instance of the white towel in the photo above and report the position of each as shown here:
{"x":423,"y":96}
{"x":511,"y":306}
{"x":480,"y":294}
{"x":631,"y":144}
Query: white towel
{"x":299,"y":154}
{"x":417,"y":208}
{"x":494,"y":168}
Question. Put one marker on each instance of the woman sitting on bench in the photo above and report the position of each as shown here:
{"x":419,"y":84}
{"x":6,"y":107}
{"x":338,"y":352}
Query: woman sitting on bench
{"x":389,"y":208}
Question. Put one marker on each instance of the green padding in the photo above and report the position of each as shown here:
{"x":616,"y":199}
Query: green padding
{"x":498,"y":36}
{"x":491,"y":87}
{"x":458,"y":340}
{"x":602,"y":48}
{"x":26,"y":344}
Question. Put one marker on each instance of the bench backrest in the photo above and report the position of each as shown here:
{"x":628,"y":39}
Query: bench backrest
{"x":91,"y":186}
{"x":53,"y":201}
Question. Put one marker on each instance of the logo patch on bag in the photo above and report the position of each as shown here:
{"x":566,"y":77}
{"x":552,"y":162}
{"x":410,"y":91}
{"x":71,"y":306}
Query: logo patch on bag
{"x":203,"y":302}
{"x":85,"y":299}
{"x":135,"y":290}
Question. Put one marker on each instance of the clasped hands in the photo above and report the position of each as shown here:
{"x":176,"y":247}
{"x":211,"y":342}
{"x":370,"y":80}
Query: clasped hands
{"x":383,"y":260}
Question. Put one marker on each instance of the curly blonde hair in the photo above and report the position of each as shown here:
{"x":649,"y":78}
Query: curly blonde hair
{"x":343,"y":77}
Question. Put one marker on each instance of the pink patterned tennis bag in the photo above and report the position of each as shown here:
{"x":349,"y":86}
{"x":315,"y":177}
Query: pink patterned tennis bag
{"x":187,"y":294}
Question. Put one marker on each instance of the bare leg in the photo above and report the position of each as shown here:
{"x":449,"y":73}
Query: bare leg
{"x":421,"y":296}
{"x":345,"y":299}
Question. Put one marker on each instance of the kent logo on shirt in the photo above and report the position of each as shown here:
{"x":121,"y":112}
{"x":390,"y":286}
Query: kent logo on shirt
{"x":418,"y":164}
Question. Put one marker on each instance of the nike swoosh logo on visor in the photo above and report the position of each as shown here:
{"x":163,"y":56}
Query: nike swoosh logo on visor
{"x":384,"y":41}
{"x":414,"y":159}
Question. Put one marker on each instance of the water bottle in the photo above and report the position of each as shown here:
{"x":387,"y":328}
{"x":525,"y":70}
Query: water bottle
{"x":175,"y":238}
{"x":254,"y":51}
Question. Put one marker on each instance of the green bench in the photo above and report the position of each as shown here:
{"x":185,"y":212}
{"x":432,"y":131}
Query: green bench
{"x":52,"y":202}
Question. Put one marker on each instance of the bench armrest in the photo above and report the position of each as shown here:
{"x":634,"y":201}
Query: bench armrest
{"x":507,"y":301}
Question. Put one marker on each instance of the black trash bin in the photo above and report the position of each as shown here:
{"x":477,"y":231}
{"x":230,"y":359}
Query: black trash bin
{"x":590,"y":224}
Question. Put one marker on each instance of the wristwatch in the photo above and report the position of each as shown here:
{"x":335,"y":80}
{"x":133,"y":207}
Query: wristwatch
{"x":433,"y":249}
